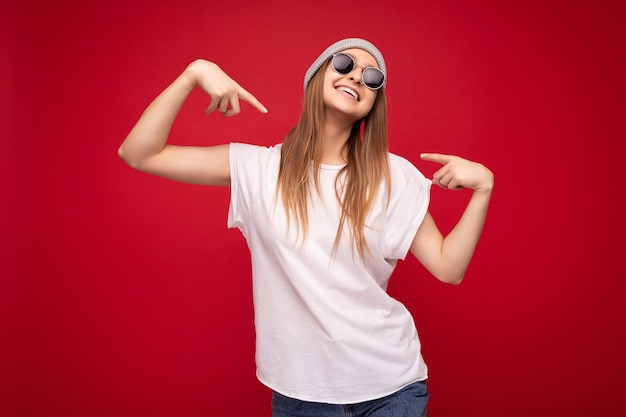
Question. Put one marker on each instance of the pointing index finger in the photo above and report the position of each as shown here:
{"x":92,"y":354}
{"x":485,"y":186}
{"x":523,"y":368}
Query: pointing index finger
{"x":437,"y":157}
{"x":250,"y":99}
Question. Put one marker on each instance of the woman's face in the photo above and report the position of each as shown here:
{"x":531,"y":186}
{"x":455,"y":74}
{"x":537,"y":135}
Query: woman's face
{"x":345,"y":93}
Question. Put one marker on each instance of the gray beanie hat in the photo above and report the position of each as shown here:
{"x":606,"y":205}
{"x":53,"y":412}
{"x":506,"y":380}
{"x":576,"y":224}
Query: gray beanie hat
{"x":341,"y":46}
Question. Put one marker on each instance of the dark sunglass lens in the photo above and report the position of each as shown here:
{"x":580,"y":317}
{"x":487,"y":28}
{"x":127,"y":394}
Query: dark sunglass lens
{"x":342,"y":63}
{"x":373,"y":78}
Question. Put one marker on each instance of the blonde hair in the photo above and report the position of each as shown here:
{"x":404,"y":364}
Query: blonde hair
{"x":357,"y":183}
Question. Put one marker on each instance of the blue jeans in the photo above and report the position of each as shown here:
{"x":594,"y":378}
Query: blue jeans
{"x":410,"y":401}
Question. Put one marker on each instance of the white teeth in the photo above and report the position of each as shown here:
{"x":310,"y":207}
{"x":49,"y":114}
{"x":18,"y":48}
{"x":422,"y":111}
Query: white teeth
{"x":349,"y":91}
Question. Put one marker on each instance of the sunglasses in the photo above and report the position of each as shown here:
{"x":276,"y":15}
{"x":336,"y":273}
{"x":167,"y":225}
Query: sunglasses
{"x":372,"y":78}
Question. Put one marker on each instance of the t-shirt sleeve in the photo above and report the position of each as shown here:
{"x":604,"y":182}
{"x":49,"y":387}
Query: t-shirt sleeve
{"x":408,"y":204}
{"x":246,"y":176}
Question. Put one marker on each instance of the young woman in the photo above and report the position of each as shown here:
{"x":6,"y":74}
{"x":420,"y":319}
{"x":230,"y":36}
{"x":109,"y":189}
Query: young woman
{"x":326,"y":215}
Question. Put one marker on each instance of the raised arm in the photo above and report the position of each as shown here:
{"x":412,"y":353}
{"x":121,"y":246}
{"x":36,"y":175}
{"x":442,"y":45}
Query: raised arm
{"x":447,"y":258}
{"x":146,"y":148}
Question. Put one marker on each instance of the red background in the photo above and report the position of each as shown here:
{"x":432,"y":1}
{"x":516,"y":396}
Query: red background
{"x":124,"y":294}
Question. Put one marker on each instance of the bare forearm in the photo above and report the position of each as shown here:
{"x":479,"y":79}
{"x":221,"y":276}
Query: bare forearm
{"x":459,"y":245}
{"x":447,"y":258}
{"x":149,"y":135}
{"x":146,"y":148}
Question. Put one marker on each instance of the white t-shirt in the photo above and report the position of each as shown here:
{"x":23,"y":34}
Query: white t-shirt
{"x":326,"y":329}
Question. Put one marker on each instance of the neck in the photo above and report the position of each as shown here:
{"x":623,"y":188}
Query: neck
{"x":335,"y":137}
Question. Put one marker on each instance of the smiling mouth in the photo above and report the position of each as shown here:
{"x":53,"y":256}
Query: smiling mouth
{"x":349,"y":91}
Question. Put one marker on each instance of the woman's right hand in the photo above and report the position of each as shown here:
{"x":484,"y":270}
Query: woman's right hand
{"x":225,"y":92}
{"x":146,"y":148}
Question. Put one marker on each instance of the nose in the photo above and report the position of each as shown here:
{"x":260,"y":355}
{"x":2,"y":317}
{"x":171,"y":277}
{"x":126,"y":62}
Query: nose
{"x":357,"y":74}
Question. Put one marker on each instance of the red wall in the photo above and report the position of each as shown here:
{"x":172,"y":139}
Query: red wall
{"x":125,"y":295}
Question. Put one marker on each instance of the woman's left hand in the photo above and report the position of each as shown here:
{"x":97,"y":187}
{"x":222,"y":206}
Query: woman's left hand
{"x":458,"y":173}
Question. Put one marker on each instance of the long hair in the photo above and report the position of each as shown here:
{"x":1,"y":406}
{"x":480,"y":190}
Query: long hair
{"x":357,"y":183}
